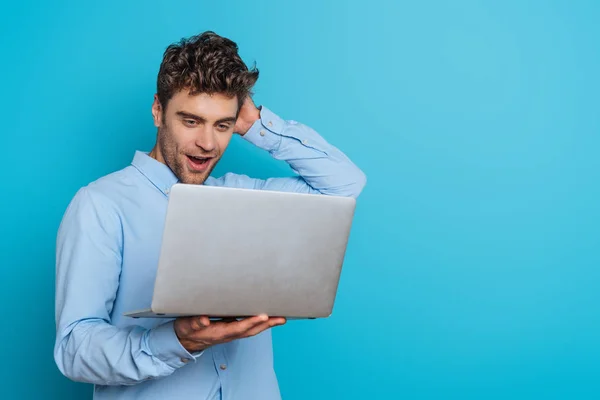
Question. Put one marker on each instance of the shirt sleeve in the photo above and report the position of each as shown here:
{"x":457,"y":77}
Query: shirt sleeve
{"x":88,"y":264}
{"x":320,"y":167}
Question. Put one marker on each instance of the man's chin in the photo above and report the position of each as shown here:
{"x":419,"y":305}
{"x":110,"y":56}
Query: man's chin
{"x":194,"y":178}
{"x":187,"y":175}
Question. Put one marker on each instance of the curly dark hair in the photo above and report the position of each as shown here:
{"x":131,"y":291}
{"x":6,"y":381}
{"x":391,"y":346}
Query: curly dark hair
{"x":205,"y":63}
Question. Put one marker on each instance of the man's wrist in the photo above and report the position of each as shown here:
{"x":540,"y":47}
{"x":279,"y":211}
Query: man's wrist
{"x":191,"y":346}
{"x":165,"y":345}
{"x":265,"y":133}
{"x":249,"y":120}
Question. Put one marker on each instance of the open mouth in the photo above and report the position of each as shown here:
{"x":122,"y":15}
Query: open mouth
{"x":199,"y":163}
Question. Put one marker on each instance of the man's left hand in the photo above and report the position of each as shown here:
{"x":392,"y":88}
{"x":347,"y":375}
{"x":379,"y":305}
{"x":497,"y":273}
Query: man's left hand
{"x":249,"y":113}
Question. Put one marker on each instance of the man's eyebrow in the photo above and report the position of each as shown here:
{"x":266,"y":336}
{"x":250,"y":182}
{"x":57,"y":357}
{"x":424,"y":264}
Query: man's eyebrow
{"x":228,"y":119}
{"x":190,"y":116}
{"x":198,"y":118}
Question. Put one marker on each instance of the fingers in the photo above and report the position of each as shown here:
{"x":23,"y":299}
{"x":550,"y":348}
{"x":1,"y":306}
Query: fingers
{"x":250,"y":326}
{"x":234,"y":330}
{"x":203,"y":330}
{"x":198,"y":323}
{"x":272,"y":322}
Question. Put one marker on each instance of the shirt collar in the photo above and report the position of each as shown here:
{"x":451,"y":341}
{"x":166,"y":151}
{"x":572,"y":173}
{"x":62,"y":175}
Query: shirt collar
{"x":156,"y":172}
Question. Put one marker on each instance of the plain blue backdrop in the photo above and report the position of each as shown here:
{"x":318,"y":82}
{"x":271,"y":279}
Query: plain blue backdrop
{"x":473,"y":270}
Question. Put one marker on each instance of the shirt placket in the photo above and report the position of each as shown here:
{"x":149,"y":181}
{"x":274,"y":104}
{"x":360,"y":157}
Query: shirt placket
{"x":222,"y":367}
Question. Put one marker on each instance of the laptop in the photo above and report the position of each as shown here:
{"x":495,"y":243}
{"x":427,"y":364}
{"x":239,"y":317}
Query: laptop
{"x":229,"y":252}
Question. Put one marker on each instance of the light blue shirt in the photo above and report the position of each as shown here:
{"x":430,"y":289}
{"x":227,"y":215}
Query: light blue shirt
{"x":107,"y":253}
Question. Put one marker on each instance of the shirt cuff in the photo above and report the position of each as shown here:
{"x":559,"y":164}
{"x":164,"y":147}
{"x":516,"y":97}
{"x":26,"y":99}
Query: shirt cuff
{"x":272,"y":133}
{"x":164,"y":345}
{"x":266,"y":131}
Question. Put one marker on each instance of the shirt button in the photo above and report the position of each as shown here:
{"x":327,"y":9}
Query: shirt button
{"x":223,"y":367}
{"x":305,"y":142}
{"x":262,"y":133}
{"x":185,"y":360}
{"x":270,"y":123}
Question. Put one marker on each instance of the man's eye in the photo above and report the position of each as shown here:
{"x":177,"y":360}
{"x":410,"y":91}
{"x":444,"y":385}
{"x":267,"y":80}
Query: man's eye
{"x":189,"y":122}
{"x":223,"y":127}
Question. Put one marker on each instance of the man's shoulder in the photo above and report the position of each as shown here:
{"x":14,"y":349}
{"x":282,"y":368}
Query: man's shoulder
{"x":107,"y":191}
{"x":97,"y":204}
{"x":117,"y":179}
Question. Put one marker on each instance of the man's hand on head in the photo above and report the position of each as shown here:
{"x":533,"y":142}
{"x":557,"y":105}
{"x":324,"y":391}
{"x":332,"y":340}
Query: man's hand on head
{"x":199,"y":333}
{"x":249,"y":113}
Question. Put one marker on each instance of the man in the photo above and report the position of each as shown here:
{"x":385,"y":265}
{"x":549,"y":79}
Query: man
{"x":109,"y":239}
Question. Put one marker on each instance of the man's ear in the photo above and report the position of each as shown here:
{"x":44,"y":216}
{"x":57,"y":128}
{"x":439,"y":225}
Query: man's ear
{"x":157,"y":111}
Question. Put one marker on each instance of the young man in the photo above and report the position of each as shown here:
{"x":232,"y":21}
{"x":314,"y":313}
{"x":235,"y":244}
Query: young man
{"x":109,"y":240}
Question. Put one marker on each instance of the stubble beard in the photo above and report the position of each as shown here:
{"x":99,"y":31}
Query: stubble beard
{"x":170,"y":154}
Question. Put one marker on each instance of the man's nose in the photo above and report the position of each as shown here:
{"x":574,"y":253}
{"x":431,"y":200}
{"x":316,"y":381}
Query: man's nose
{"x":206,"y":138}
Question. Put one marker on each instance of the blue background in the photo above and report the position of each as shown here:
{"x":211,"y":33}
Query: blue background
{"x":474,"y":267}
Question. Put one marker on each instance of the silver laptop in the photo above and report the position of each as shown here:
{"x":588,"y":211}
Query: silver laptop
{"x":238,"y":252}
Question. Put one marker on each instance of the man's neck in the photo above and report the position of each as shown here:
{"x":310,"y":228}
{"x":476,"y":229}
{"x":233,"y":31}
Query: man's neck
{"x":155,"y":153}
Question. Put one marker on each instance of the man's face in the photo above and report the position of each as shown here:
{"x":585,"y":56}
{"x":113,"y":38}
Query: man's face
{"x":193,"y":133}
